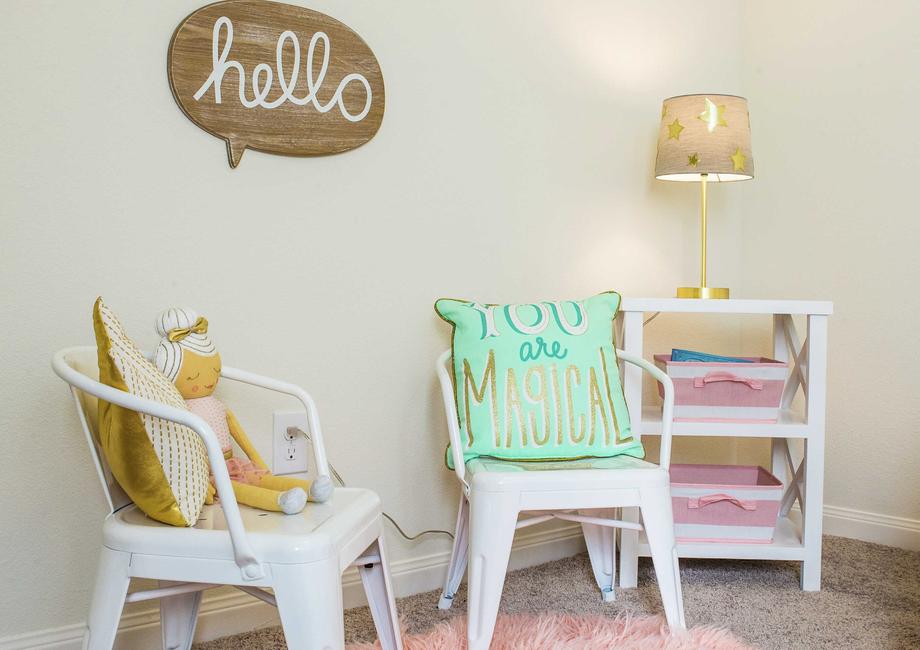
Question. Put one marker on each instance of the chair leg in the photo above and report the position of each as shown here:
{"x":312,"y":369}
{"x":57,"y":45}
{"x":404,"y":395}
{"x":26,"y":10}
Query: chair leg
{"x":309,"y":598}
{"x":602,"y":551}
{"x":659,"y":528}
{"x":493,"y":516}
{"x":629,"y":551}
{"x":379,"y":590}
{"x":112,"y":580}
{"x":178,"y":617}
{"x":458,"y":556}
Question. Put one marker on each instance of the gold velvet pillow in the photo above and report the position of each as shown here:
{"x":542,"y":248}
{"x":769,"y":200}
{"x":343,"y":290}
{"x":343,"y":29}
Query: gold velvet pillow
{"x":161,"y":465}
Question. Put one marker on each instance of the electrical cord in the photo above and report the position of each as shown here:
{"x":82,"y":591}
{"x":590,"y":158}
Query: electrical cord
{"x":293,"y":431}
{"x":412,"y":538}
{"x":651,"y":318}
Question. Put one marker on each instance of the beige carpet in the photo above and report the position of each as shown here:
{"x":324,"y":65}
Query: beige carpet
{"x":870,"y":600}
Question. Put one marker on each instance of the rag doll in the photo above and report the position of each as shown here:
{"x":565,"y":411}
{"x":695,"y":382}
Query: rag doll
{"x":187,"y":356}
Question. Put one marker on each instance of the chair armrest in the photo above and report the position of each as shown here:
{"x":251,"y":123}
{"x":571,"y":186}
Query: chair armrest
{"x":667,"y":412}
{"x":453,"y":422}
{"x":242,"y":550}
{"x":275,"y":385}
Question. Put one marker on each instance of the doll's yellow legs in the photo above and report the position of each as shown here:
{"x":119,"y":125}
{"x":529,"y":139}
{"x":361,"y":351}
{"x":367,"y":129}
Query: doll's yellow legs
{"x":284,"y":483}
{"x":265,"y":495}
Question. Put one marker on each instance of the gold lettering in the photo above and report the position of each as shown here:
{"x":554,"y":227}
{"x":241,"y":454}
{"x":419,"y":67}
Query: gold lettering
{"x":596,"y":401}
{"x":539,"y":398}
{"x":557,"y":403}
{"x":479,"y":395}
{"x":512,"y":408}
{"x":572,"y":379}
{"x":613,"y":413}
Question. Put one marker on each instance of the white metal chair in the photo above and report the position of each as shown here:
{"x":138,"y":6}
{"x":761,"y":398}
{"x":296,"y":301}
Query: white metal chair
{"x":495,"y":492}
{"x":300,"y":557}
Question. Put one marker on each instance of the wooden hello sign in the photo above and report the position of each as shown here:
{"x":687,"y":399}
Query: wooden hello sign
{"x":275,"y":78}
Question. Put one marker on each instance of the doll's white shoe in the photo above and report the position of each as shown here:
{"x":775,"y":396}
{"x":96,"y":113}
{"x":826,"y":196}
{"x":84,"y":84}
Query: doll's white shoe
{"x":292,"y":501}
{"x":321,"y":489}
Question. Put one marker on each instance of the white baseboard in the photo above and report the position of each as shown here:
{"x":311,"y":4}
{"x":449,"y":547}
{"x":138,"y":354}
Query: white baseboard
{"x":872,"y":527}
{"x":227,"y":611}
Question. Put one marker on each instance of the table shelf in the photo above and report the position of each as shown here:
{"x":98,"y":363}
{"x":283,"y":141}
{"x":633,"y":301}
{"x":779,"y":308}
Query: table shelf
{"x":786,"y":545}
{"x":790,"y":424}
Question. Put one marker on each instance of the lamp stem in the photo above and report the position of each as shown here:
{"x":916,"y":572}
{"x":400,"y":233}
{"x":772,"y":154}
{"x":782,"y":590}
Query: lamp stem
{"x":703,"y":180}
{"x":702,"y":291}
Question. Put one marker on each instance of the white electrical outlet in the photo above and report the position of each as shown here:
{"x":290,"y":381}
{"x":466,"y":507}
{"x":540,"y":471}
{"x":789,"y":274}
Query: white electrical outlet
{"x":291,"y":453}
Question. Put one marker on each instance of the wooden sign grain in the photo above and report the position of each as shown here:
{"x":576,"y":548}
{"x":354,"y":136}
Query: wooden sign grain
{"x":275,"y":78}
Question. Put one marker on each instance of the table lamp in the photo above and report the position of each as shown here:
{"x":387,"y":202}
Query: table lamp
{"x":705,"y":138}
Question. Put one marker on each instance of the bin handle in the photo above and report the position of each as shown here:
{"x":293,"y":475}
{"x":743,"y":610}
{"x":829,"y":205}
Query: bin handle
{"x":701,"y":502}
{"x":700,"y":382}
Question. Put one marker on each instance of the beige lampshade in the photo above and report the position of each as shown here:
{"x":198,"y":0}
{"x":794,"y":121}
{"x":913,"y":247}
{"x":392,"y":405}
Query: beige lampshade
{"x":704,"y":134}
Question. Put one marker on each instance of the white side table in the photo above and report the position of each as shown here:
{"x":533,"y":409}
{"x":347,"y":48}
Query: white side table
{"x":798,"y":536}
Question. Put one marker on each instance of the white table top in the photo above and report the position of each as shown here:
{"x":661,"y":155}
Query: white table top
{"x":729,"y":306}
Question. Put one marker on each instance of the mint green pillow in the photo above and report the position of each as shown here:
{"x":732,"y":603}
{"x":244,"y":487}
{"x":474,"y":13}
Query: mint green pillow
{"x":538,"y":381}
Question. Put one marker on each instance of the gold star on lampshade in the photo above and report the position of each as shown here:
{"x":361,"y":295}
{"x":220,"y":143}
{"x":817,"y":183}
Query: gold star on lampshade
{"x":713,"y":115}
{"x":687,"y":149}
{"x":674,"y":129}
{"x":738,"y":159}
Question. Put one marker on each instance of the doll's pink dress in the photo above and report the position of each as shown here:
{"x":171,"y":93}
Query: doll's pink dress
{"x":212,"y":410}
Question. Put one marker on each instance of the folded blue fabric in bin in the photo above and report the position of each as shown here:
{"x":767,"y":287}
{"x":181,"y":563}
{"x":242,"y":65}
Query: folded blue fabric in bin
{"x":705,"y":357}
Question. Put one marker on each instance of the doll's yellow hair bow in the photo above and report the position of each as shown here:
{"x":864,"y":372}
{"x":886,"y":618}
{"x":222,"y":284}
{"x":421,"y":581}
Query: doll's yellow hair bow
{"x":200,"y":327}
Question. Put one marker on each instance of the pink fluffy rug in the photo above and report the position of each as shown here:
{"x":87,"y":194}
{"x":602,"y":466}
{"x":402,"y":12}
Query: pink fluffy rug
{"x":564,"y":632}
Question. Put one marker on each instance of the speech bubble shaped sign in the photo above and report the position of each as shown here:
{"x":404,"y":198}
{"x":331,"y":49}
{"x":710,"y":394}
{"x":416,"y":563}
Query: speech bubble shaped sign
{"x":275,"y":78}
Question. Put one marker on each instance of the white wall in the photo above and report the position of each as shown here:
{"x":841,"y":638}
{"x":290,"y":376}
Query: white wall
{"x":514,"y":162}
{"x":834,"y":90}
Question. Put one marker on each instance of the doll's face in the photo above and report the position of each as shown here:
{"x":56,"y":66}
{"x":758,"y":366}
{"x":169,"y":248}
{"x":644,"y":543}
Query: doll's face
{"x":198,"y":375}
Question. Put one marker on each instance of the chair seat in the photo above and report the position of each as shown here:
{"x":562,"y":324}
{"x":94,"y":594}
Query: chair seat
{"x":496,"y":475}
{"x":315,"y":534}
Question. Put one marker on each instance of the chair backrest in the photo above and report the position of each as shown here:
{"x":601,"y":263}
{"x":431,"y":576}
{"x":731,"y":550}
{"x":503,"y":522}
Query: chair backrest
{"x":446,"y":379}
{"x":84,"y":360}
{"x":77,"y":366}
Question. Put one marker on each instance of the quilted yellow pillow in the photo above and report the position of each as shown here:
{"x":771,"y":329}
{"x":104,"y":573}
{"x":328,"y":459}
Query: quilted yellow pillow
{"x":161,"y":465}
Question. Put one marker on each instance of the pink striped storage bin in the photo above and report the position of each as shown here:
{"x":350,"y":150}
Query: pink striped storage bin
{"x":724,"y":503}
{"x":725,"y":392}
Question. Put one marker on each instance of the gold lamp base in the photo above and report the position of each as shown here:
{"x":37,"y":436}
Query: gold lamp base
{"x":705,"y":293}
